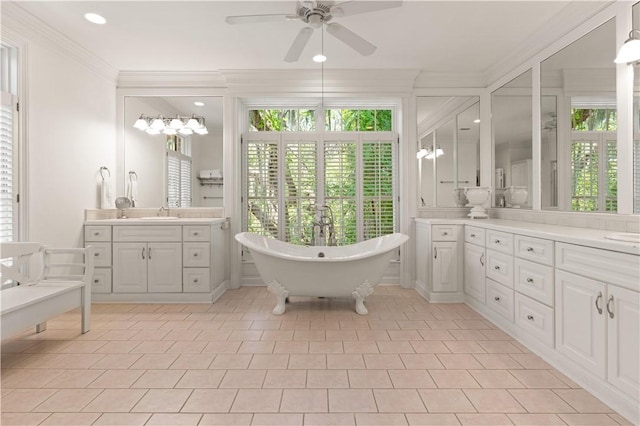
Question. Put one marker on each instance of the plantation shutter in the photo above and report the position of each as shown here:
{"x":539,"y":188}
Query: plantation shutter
{"x":173,"y":180}
{"x":8,"y":169}
{"x":261,"y":187}
{"x":584,"y":175}
{"x":340,"y":180}
{"x":185,"y":182}
{"x":611,"y":178}
{"x":300,"y":190}
{"x":636,"y":176}
{"x":377,"y":189}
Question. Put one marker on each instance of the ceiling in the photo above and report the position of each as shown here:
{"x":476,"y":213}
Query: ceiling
{"x":432,"y":36}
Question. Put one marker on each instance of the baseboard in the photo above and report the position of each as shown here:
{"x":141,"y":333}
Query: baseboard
{"x":219,"y":291}
{"x":151,"y":298}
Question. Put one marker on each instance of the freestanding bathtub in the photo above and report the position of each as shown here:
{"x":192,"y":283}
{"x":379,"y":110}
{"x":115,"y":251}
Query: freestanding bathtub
{"x":321,"y":271}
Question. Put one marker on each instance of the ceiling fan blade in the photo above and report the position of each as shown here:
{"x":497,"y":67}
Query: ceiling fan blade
{"x":352,"y":7}
{"x":351,"y":39}
{"x":298,"y":44}
{"x":252,"y":19}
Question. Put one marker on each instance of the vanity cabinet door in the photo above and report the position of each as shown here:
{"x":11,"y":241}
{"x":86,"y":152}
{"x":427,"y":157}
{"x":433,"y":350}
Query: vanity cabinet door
{"x":474,"y":281}
{"x":623,"y":313}
{"x":445,"y":266}
{"x":164,"y":267}
{"x":129,"y":267}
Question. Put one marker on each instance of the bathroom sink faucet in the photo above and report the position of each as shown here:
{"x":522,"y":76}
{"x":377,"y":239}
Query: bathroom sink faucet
{"x":162,"y":210}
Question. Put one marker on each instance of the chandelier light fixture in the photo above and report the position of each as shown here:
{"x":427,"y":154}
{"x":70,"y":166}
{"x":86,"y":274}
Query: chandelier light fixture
{"x":630,"y":50}
{"x":184,"y":125}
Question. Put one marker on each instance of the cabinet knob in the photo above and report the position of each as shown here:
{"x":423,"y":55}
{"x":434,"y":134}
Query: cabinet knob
{"x":530,"y":249}
{"x":530,"y":317}
{"x":445,"y":233}
{"x":530,"y":280}
{"x":96,"y":254}
{"x":472,"y":235}
{"x":96,"y":281}
{"x":195,"y":254}
{"x":195,"y":234}
{"x":195,"y":280}
{"x":96,"y":234}
{"x":497,"y":268}
{"x":497,"y":298}
{"x":497,"y":241}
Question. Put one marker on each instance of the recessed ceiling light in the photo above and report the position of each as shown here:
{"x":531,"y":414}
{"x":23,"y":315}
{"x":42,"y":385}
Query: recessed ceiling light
{"x":95,"y":18}
{"x":477,"y":120}
{"x":319,"y":58}
{"x":198,"y":103}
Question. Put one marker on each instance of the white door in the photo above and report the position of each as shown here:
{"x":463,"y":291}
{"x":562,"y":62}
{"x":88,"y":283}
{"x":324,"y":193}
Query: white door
{"x":164,"y":267}
{"x":474,"y":261}
{"x":581,"y":321}
{"x":445,"y":267}
{"x":129,"y":267}
{"x":623,"y":312}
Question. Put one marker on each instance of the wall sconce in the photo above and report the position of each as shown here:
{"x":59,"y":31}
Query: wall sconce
{"x":185,"y":125}
{"x":429,"y":154}
{"x":630,"y":50}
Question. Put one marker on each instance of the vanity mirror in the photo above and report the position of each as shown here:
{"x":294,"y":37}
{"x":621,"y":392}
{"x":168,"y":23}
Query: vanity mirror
{"x":511,"y":128}
{"x":447,"y":151}
{"x":173,"y":170}
{"x":636,"y":120}
{"x":578,"y":124}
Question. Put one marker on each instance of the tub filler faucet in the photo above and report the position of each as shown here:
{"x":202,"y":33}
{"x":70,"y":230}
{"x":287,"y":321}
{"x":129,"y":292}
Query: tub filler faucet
{"x":323,"y":233}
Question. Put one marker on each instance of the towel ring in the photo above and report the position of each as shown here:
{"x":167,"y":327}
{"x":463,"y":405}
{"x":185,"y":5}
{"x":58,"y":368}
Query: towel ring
{"x":133,"y":174}
{"x":102,"y":170}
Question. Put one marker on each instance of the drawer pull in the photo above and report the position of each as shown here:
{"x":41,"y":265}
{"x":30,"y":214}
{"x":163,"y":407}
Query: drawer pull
{"x":530,"y":317}
{"x":497,"y":268}
{"x":482,"y":259}
{"x":497,"y":298}
{"x":143,"y":252}
{"x":95,"y":234}
{"x":496,"y":241}
{"x":609,"y":310}
{"x":149,"y":252}
{"x":435,"y":251}
{"x":530,"y":280}
{"x":597,"y":305}
{"x":96,"y":281}
{"x":195,"y":280}
{"x":96,"y":254}
{"x":445,"y":233}
{"x":195,"y":254}
{"x":530,"y":249}
{"x":472,"y":235}
{"x":195,"y":234}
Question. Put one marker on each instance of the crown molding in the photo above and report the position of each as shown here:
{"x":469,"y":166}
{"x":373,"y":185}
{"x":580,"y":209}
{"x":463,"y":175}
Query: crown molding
{"x":170,"y":79}
{"x":332,"y":80}
{"x":33,"y":29}
{"x":568,"y":19}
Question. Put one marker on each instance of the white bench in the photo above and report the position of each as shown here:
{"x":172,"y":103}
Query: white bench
{"x":63,"y":283}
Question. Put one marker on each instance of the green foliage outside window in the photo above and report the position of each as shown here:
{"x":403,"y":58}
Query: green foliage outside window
{"x":282,"y":120}
{"x":594,"y":119}
{"x":353,"y":120}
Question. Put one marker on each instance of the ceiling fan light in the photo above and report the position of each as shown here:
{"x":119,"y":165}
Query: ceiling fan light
{"x":630,"y":50}
{"x":157,"y":123}
{"x":141,"y":124}
{"x":319,"y":58}
{"x":176,"y":123}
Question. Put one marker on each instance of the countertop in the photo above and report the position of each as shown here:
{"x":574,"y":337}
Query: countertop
{"x":141,"y":221}
{"x":582,"y":236}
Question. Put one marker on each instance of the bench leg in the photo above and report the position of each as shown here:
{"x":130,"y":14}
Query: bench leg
{"x":41,"y":327}
{"x":86,"y":309}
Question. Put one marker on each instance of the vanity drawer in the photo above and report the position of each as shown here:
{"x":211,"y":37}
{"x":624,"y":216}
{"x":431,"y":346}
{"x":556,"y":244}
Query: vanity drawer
{"x":101,"y":254}
{"x":534,"y":318}
{"x":196,"y":255}
{"x":444,"y":232}
{"x":196,"y":233}
{"x":101,"y":280}
{"x":196,"y":280}
{"x":535,"y":249}
{"x":500,"y":241}
{"x":474,"y":235}
{"x":500,"y":299}
{"x":500,"y":267}
{"x":166,"y":233}
{"x":603,"y":265}
{"x":97,"y":233}
{"x":534,"y":280}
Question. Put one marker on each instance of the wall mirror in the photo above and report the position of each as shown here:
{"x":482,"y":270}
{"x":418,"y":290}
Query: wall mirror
{"x":636,"y":120}
{"x":448,"y":148}
{"x":511,"y":128}
{"x":578,"y":125}
{"x":178,"y":170}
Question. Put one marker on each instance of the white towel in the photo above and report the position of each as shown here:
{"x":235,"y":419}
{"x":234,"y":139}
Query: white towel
{"x":132,"y":190}
{"x":107,"y":197}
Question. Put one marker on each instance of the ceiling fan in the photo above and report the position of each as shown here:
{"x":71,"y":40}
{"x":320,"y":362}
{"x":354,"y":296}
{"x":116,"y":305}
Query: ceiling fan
{"x":318,"y":13}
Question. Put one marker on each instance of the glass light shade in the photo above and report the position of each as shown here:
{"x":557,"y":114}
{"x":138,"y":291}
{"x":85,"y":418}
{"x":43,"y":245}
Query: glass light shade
{"x":193,"y":123}
{"x":630,"y":50}
{"x":152,"y":131}
{"x":176,"y":123}
{"x":185,"y":131}
{"x":141,"y":124}
{"x":169,"y":131}
{"x":202,"y":131}
{"x":157,"y":123}
{"x":422,"y":153}
{"x":439,"y":152}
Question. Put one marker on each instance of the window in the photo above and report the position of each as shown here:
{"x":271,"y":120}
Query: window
{"x":9,"y":214}
{"x":179,"y":172}
{"x":366,"y":120}
{"x":289,"y":174}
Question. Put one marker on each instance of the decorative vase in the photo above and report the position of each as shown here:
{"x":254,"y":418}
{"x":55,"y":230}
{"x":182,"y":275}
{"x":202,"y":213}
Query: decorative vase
{"x":515,"y":196}
{"x":477,"y":196}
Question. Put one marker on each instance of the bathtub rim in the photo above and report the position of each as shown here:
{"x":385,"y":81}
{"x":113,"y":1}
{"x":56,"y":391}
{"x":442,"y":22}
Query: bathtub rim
{"x":393,"y":241}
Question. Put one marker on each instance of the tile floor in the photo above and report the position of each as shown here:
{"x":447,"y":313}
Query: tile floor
{"x":233,"y":363}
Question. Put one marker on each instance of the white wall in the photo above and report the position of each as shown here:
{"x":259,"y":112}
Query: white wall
{"x":71,"y":134}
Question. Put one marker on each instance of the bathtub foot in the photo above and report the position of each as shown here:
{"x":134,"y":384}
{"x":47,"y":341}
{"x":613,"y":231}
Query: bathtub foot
{"x":282,"y":295}
{"x":360,"y":293}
